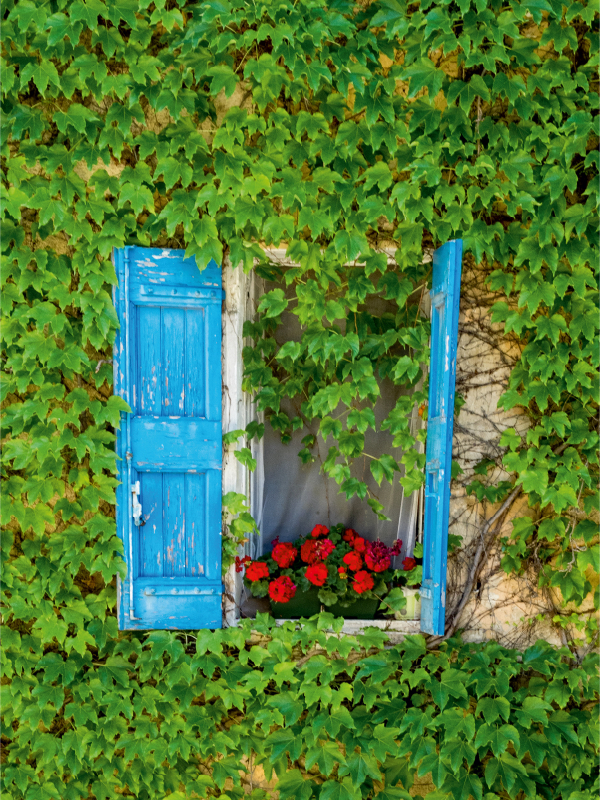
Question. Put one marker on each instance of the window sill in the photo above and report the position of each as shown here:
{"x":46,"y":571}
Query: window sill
{"x":396,"y":629}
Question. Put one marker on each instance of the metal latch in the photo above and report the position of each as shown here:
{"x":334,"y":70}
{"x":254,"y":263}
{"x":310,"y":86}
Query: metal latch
{"x":136,"y":505}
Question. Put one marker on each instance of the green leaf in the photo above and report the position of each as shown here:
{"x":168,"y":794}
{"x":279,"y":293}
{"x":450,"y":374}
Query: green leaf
{"x":41,"y":73}
{"x":499,"y":737}
{"x":293,"y":786}
{"x":76,"y":116}
{"x":88,"y":12}
{"x":273,"y":303}
{"x":358,"y":766}
{"x":378,"y":175}
{"x":463,"y":786}
{"x":223,"y":77}
{"x":332,"y":722}
{"x":511,"y":774}
{"x":339,"y":790}
{"x":468,"y":92}
{"x":493,"y":707}
{"x":326,"y":755}
{"x":424,"y":75}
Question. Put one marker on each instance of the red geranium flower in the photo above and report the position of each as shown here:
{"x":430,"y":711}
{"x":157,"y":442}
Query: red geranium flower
{"x":396,"y":547}
{"x":240,"y":563}
{"x":349,"y":535}
{"x":353,"y":560}
{"x":377,"y":556}
{"x":257,"y":570}
{"x":282,"y":589}
{"x":308,"y":552}
{"x":325,"y":548}
{"x":316,"y":574}
{"x":359,"y":544}
{"x":343,"y":572}
{"x":319,"y":530}
{"x":408,"y":564}
{"x":284,"y":554}
{"x":363,"y":581}
{"x":311,"y":552}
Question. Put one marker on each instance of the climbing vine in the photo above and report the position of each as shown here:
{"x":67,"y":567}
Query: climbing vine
{"x":357,"y":137}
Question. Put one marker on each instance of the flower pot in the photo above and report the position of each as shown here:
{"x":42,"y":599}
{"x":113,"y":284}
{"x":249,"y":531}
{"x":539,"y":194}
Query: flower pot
{"x":305,"y":604}
{"x":412,"y":609}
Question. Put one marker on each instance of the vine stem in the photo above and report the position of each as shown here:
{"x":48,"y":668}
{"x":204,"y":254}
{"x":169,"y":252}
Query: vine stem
{"x":477,"y":563}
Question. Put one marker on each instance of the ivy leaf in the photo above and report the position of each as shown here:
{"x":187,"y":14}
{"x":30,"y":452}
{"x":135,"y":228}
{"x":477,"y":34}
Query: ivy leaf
{"x":511,"y":773}
{"x":205,"y":245}
{"x":339,"y":790}
{"x":493,"y":707}
{"x":223,"y":77}
{"x":378,"y":104}
{"x":293,"y":786}
{"x":88,"y":12}
{"x":358,"y":766}
{"x":60,"y":27}
{"x":499,"y":737}
{"x":535,"y":744}
{"x":382,"y":741}
{"x":76,"y":116}
{"x":273,"y":303}
{"x":393,"y":15}
{"x":468,"y":92}
{"x":124,"y":116}
{"x":244,"y":456}
{"x":42,"y":73}
{"x":424,"y":75}
{"x":379,"y":175}
{"x":463,"y":786}
{"x":332,"y":722}
{"x":551,"y":327}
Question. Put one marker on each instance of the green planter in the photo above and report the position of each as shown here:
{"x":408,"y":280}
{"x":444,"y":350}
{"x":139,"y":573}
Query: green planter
{"x":305,"y":604}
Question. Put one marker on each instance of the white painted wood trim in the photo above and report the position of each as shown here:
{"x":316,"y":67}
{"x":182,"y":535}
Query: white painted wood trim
{"x":396,"y":630}
{"x":235,"y":408}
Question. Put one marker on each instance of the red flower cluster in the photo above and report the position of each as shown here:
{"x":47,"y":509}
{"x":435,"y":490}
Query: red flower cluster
{"x":312,"y":552}
{"x":257,"y":570}
{"x":284,"y":554}
{"x":316,"y":574}
{"x":282,"y":589}
{"x":351,"y":570}
{"x":363,"y":582}
{"x":353,"y":560}
{"x":354,"y":540}
{"x":378,"y":556}
{"x":240,"y":563}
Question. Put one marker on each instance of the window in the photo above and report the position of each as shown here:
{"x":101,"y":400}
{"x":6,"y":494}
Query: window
{"x":168,"y":367}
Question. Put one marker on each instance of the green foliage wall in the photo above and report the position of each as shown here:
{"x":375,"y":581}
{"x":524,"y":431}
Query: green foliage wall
{"x":353,"y":128}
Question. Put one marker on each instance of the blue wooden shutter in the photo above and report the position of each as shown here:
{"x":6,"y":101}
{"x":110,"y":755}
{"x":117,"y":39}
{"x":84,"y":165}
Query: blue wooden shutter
{"x":167,"y":366}
{"x":445,"y":296}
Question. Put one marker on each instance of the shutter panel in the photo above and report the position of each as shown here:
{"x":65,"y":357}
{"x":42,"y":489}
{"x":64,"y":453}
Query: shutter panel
{"x":167,"y":366}
{"x":445,"y":296}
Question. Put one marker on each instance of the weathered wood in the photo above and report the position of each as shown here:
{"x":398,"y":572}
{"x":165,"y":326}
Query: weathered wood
{"x":445,"y":296}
